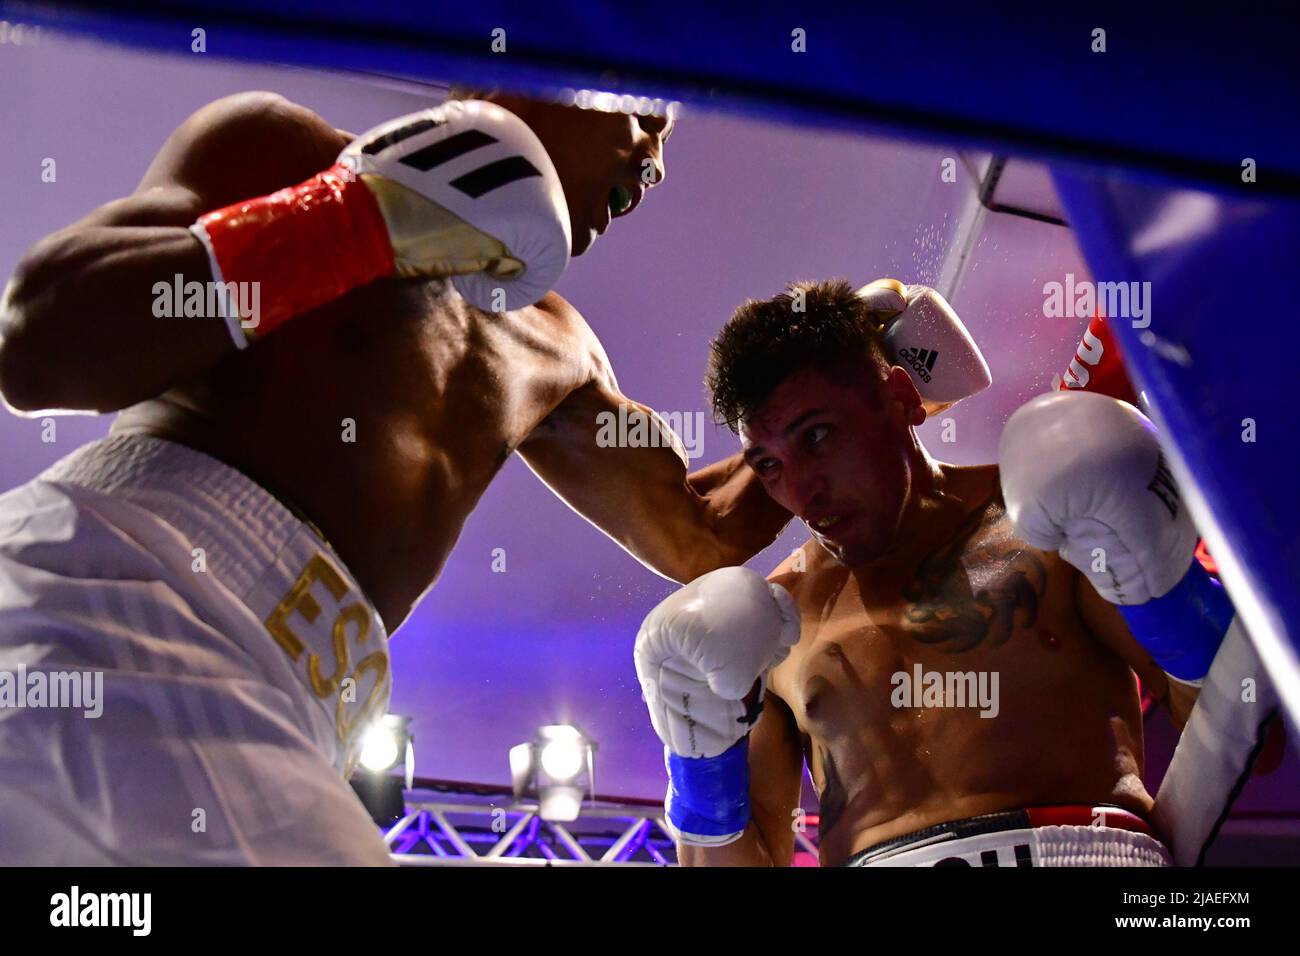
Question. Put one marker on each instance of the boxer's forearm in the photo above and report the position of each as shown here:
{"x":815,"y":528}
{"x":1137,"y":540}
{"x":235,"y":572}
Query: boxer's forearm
{"x":1179,"y":701}
{"x":749,"y":850}
{"x":640,"y":494}
{"x":776,"y":775}
{"x":78,"y":328}
{"x":679,"y":525}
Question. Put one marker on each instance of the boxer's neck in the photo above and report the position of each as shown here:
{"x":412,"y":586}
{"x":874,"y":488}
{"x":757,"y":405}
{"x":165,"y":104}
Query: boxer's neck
{"x":938,"y":501}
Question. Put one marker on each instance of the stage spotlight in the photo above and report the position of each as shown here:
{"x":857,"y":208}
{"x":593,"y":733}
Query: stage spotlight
{"x":564,"y":755}
{"x":387,"y":745}
{"x":558,"y":765}
{"x":379,"y":748}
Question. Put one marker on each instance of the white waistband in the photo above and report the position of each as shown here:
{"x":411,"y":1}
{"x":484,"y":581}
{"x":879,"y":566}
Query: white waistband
{"x":240,"y":525}
{"x":275,"y":564}
{"x":1058,"y":845}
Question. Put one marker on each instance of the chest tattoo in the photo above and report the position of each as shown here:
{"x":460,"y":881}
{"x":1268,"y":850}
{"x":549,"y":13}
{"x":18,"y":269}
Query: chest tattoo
{"x":977,"y":589}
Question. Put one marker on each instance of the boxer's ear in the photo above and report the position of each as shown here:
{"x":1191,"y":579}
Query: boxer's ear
{"x":900,"y":390}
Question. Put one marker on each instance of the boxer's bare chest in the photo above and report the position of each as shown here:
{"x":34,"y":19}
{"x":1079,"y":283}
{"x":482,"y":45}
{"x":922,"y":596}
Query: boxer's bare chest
{"x":966,"y":600}
{"x":878,"y":656}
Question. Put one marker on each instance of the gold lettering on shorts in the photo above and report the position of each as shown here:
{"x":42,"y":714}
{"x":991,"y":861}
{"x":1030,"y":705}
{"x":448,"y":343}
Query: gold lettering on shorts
{"x":378,"y":661}
{"x":299,"y":599}
{"x":356,"y":614}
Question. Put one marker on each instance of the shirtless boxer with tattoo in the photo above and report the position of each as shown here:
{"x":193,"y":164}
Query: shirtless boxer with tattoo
{"x":229,"y":562}
{"x":914,"y":568}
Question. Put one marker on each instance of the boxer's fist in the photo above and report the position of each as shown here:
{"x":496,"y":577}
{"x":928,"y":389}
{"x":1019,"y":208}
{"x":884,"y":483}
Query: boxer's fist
{"x":702,"y":654}
{"x":923,"y":335}
{"x":1082,"y":474}
{"x":467,"y":190}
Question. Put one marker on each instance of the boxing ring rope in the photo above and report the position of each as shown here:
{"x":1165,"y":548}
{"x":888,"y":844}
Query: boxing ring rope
{"x":742,"y":58}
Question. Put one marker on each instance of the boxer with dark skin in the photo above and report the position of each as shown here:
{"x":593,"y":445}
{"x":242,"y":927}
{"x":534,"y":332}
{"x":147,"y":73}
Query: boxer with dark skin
{"x":911,"y":561}
{"x":440,"y":393}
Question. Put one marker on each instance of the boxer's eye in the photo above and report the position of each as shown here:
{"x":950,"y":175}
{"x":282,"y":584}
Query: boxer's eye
{"x":818,"y":433}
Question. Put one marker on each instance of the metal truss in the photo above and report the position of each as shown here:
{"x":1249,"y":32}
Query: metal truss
{"x":449,"y":829}
{"x":458,"y":824}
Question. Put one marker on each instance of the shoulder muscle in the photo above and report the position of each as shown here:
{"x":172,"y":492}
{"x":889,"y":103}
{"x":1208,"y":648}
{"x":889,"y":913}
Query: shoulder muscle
{"x":209,"y":153}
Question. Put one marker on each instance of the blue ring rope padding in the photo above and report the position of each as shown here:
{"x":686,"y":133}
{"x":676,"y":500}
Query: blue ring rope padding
{"x":567,"y":43}
{"x":1183,"y":628}
{"x":709,"y":796}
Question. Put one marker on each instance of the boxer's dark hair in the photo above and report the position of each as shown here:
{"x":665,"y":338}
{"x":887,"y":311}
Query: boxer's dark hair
{"x":764,"y":342}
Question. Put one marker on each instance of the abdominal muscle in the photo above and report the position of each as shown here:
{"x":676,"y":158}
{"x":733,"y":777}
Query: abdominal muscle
{"x":926,"y":767}
{"x":1062,"y":720}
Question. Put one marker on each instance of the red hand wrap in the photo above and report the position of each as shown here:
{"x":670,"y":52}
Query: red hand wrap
{"x":306,"y":244}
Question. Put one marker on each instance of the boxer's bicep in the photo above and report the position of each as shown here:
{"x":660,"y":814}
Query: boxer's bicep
{"x":210,"y":153}
{"x":204,"y":163}
{"x":79,"y":325}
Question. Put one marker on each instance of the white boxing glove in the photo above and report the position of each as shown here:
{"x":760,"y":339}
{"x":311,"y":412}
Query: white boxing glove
{"x":467,"y":190}
{"x":1083,"y":475}
{"x":926,"y":337}
{"x":702,"y":652}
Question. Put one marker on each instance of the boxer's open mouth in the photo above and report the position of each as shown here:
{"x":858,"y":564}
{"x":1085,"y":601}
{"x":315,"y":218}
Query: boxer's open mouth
{"x":825,"y":524}
{"x":620,"y":200}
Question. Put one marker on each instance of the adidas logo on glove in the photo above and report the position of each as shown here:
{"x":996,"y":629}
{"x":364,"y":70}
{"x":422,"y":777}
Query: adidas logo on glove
{"x":921,"y":360}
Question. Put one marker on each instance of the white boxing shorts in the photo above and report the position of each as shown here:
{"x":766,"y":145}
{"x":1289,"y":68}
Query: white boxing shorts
{"x":1038,"y":836}
{"x":186,"y":669}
